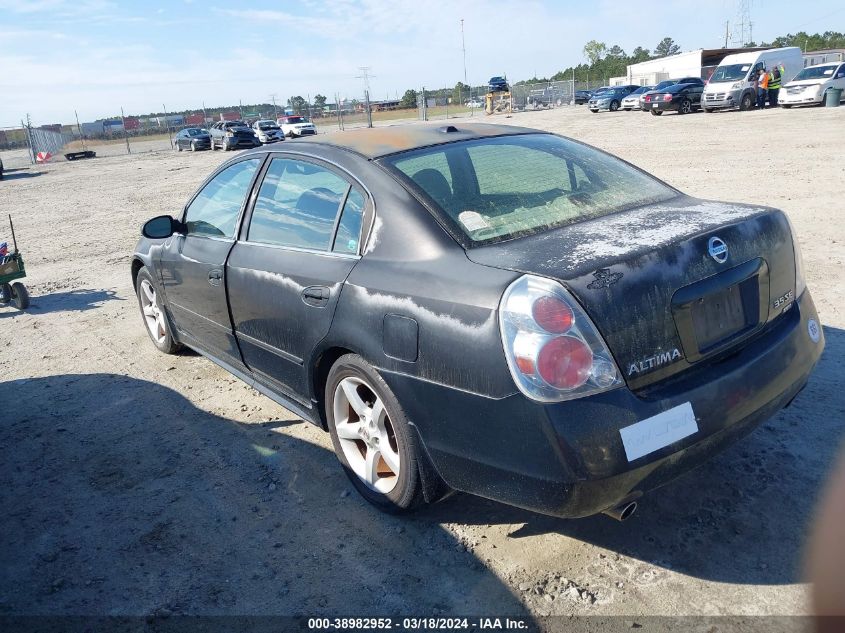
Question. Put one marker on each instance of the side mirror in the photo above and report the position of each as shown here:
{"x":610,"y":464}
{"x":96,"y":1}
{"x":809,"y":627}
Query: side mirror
{"x":160,"y":227}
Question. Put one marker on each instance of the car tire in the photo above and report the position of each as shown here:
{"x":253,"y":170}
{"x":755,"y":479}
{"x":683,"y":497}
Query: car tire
{"x":20,"y":296}
{"x":153,"y":314}
{"x":656,"y":112}
{"x":5,"y":293}
{"x":685,"y":107}
{"x":373,"y":444}
{"x":746,"y":102}
{"x":708,"y":110}
{"x":614,"y":106}
{"x":786,"y":106}
{"x":193,"y":146}
{"x":212,"y":147}
{"x":178,"y":147}
{"x":594,"y":111}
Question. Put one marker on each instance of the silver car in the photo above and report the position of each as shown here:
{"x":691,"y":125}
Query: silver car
{"x":632,"y":101}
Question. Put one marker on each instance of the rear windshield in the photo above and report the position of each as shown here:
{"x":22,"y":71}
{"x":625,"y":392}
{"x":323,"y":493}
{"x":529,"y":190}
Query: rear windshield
{"x":499,"y":188}
{"x":296,"y":119}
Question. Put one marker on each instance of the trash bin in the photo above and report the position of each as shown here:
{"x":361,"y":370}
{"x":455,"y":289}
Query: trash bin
{"x":832,"y":97}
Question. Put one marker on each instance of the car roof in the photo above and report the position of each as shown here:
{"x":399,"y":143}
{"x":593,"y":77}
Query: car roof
{"x":381,"y":141}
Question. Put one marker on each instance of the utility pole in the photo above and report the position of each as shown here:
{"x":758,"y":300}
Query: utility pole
{"x":204,"y":116}
{"x":167,"y":124}
{"x":79,"y":128}
{"x":727,"y":32}
{"x":125,"y":133}
{"x":464,"y":49}
{"x":365,"y":75}
{"x":275,"y":107}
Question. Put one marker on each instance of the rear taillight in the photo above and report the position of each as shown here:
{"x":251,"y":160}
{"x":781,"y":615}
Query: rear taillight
{"x":667,"y":97}
{"x":647,"y":98}
{"x":553,"y":350}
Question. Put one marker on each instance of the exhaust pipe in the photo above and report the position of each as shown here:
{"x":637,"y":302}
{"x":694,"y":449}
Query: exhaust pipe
{"x":621,"y":512}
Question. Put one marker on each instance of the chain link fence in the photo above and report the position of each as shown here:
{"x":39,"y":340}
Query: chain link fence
{"x":20,"y":146}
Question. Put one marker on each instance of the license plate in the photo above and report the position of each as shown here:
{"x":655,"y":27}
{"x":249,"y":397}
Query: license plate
{"x":718,"y":316}
{"x":658,"y":431}
{"x":655,"y":105}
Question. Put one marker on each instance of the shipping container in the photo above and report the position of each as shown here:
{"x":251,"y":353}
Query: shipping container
{"x":131,"y":123}
{"x":194,"y":119}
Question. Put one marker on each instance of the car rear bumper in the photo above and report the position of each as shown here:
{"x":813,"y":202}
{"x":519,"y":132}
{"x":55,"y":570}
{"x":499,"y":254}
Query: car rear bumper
{"x":306,"y":132}
{"x":568,"y":459}
{"x":663,"y":106}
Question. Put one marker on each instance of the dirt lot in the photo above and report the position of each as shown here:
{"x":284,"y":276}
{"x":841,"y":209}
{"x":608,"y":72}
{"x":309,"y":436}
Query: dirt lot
{"x":135,"y":483}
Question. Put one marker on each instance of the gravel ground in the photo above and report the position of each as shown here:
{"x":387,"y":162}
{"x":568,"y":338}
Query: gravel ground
{"x":136,"y":483}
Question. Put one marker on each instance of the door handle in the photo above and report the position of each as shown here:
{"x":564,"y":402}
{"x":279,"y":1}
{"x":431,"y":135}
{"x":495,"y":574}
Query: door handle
{"x":215,"y":276}
{"x":316,"y":296}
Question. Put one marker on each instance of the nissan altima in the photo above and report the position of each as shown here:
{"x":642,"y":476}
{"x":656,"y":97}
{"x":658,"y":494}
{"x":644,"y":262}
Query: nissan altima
{"x":488,"y":309}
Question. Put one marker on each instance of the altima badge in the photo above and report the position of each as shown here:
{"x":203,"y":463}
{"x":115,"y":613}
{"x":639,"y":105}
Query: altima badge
{"x":718,"y":250}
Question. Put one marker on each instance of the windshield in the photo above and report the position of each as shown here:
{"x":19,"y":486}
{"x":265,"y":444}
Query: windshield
{"x":732,"y":72}
{"x":664,"y":84}
{"x":196,"y":132}
{"x":267,"y":125}
{"x":498,"y":188}
{"x":641,"y":90}
{"x":817,"y":72}
{"x":296,"y":119}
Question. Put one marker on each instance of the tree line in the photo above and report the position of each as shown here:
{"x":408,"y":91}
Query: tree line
{"x":602,"y":61}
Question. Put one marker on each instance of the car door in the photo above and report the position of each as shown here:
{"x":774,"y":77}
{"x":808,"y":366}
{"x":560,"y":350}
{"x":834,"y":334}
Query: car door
{"x":192,"y":265}
{"x":285,"y":274}
{"x":694,"y":93}
{"x":839,"y":78}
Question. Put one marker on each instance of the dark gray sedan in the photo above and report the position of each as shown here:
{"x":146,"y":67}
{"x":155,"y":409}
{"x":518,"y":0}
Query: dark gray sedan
{"x":485,"y":308}
{"x":192,"y":138}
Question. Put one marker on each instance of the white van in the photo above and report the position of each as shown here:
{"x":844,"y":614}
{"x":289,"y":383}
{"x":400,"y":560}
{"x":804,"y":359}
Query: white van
{"x":731,"y":85}
{"x":811,"y":84}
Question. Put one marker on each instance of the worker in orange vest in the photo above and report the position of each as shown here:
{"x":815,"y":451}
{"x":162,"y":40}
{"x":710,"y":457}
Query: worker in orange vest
{"x":762,"y":88}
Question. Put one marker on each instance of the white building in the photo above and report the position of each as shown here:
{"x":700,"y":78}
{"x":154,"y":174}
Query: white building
{"x":828,"y":56}
{"x":697,"y":63}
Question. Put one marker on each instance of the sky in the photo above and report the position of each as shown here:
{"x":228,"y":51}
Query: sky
{"x":96,"y":56}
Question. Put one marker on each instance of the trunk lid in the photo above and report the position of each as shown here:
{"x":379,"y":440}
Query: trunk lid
{"x":648,"y":280}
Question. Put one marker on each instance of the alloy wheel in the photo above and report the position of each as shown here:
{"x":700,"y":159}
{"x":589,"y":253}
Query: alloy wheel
{"x":366,"y":434}
{"x":153,"y":316}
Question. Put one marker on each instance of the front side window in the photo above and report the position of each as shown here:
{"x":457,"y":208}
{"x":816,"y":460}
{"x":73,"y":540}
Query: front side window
{"x":297,"y":205}
{"x":504,"y":187}
{"x":215,"y":210}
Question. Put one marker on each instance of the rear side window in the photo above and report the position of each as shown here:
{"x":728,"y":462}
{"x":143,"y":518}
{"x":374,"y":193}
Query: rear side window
{"x":297,"y":205}
{"x":215,"y":210}
{"x":503,"y":187}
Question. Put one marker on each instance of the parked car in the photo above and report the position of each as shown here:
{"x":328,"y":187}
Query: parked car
{"x":609,"y":99}
{"x":268,"y":131}
{"x":463,"y":308}
{"x":497,"y":84}
{"x":228,"y":135}
{"x":733,"y":83}
{"x":810,"y":86}
{"x":682,"y":98}
{"x":582,"y":96}
{"x":474,"y":103}
{"x":632,"y":101}
{"x":646,"y":100}
{"x":296,"y":125}
{"x":192,"y":138}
